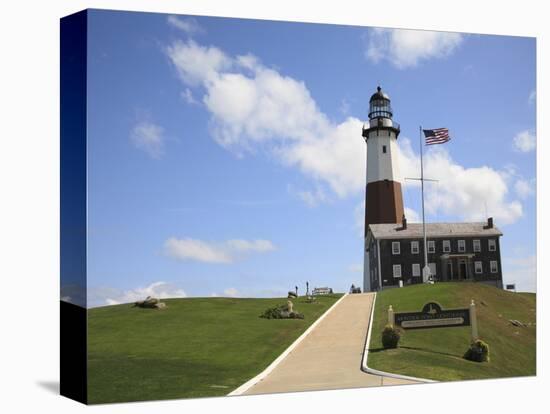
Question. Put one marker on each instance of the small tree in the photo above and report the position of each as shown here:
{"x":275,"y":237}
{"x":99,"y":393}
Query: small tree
{"x":478,"y":351}
{"x":390,"y":337}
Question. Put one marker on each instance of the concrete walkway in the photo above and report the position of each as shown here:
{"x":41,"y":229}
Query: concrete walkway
{"x":330,"y":356}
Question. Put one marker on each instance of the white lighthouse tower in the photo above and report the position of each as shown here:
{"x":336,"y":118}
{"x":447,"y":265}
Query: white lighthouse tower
{"x":383,"y":195}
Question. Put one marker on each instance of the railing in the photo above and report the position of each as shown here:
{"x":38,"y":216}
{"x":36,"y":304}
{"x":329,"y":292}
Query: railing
{"x":375,"y":123}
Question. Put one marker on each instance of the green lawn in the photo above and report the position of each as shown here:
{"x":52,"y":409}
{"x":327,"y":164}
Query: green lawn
{"x":437,"y":353}
{"x":195,"y":347}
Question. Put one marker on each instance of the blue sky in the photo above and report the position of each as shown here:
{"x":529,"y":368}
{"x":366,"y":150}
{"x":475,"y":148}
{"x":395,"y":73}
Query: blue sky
{"x":226,"y":157}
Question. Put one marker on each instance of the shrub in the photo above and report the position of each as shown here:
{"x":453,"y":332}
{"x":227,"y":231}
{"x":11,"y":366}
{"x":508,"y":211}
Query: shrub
{"x":281,"y":312}
{"x":478,"y":351}
{"x":390,"y":337}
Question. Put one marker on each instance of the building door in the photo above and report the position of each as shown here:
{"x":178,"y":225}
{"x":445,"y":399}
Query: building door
{"x":450,"y":275}
{"x":462,"y":274}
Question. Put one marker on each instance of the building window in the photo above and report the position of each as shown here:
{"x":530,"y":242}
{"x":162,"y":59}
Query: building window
{"x":478,"y":267}
{"x":494,"y":266}
{"x":431,"y":246}
{"x":416,"y":269}
{"x":395,"y":248}
{"x":492,"y":245}
{"x":462,"y":246}
{"x":446,"y":246}
{"x":384,"y":149}
{"x":396,"y":270}
{"x":414,"y":247}
{"x":477,"y":245}
{"x":432,"y":268}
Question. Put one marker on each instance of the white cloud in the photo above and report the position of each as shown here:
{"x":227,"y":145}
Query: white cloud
{"x":522,"y":271}
{"x":313,"y":197}
{"x":407,"y":48}
{"x":461,"y":192}
{"x":188,"y":96}
{"x":532,"y":97}
{"x":525,"y":141}
{"x":412,"y":216}
{"x":148,"y":137}
{"x":258,"y":246}
{"x":254,"y":106}
{"x":226,"y":252}
{"x":231,"y":292}
{"x":524,"y":188}
{"x":112,"y":296}
{"x":188,"y":25}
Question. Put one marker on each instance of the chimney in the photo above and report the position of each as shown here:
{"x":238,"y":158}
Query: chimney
{"x":489,"y":223}
{"x":403,"y":223}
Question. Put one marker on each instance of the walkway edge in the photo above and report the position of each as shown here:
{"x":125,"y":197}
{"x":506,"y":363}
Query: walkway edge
{"x":368,"y":370}
{"x":250,"y":383}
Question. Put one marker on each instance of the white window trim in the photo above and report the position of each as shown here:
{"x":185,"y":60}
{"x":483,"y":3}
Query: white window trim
{"x":492,"y":245}
{"x":434,"y":266}
{"x":431,"y":246}
{"x":395,"y":267}
{"x":480,"y":268}
{"x":446,"y":246}
{"x":495,"y":269}
{"x":393,"y":251}
{"x":477,"y":245}
{"x":463,"y":248}
{"x":417,"y":265}
{"x":415,"y":247}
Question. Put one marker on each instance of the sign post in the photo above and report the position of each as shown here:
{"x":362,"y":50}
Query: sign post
{"x":391,"y":319}
{"x":473,"y":321}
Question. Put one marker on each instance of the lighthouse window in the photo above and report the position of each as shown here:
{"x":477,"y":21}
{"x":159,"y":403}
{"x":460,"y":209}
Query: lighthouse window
{"x":384,"y":149}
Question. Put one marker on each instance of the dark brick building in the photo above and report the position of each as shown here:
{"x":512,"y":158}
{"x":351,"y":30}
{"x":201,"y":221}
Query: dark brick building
{"x":456,"y":252}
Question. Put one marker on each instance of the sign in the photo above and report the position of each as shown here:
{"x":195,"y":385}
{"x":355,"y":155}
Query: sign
{"x":432,"y":316}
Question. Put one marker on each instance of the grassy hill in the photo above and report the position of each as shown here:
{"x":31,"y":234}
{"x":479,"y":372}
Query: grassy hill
{"x":437,"y":353}
{"x":195,"y":347}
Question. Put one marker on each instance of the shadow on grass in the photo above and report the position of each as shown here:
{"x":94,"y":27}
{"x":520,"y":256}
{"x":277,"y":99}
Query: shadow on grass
{"x":412,"y":348}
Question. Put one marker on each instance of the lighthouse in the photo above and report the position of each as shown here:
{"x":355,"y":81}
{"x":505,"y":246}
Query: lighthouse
{"x":383,"y":195}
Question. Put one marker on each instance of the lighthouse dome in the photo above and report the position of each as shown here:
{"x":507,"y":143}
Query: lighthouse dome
{"x":380,"y":106}
{"x":379,"y":95}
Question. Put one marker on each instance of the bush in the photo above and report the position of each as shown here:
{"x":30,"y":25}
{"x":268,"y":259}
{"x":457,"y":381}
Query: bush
{"x":281,"y":312}
{"x":390,"y":337}
{"x":478,"y":351}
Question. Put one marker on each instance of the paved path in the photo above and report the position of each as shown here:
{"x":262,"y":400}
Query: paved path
{"x":330,"y":356}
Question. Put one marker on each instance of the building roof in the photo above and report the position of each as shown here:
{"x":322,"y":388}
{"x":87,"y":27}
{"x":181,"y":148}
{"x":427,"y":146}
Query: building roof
{"x":414,"y":230}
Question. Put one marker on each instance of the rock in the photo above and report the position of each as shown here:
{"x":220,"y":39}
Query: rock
{"x":150,"y":302}
{"x":289,"y":306}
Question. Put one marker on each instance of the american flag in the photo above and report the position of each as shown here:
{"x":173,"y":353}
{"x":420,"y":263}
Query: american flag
{"x":436,"y":136}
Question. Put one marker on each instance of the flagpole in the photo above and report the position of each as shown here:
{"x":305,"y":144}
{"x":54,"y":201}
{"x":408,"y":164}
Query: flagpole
{"x":425,"y":272}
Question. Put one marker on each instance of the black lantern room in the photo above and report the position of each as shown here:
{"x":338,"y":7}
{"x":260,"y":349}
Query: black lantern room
{"x":380,"y":106}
